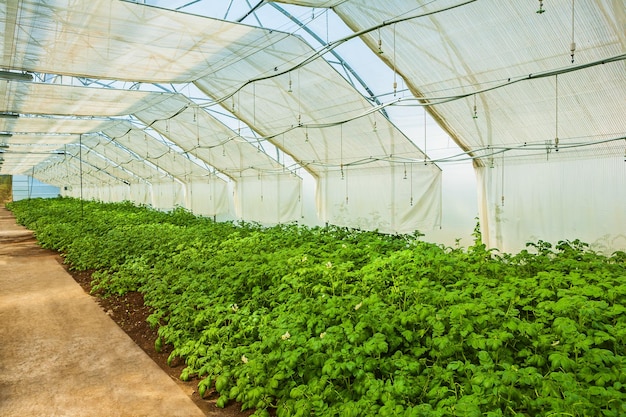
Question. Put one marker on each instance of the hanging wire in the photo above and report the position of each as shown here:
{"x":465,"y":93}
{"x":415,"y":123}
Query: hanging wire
{"x":239,"y":118}
{"x":195,"y":119}
{"x":556,"y":113}
{"x":395,"y":81}
{"x":475,"y":116}
{"x":502,"y":181}
{"x":424,"y":134}
{"x":380,"y":43}
{"x":327,"y":36}
{"x":573,"y":44}
{"x":341,"y":149}
{"x":411,"y":185}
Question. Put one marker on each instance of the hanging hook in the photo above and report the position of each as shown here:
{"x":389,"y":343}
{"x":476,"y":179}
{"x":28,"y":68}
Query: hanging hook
{"x":475,"y":116}
{"x":541,"y":10}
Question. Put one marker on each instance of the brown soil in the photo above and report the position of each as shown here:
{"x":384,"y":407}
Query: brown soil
{"x":130,"y":313}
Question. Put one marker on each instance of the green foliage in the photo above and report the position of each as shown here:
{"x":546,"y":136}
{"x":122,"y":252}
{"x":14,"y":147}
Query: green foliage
{"x":335,"y":322}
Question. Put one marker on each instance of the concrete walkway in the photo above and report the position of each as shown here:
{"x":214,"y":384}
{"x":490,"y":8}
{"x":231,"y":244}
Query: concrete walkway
{"x":60,"y":354}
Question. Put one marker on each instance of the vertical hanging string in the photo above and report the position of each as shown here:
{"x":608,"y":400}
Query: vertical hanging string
{"x":341,"y":149}
{"x":253,"y":105}
{"x":556,"y":113}
{"x":30,"y":185}
{"x":327,"y":38}
{"x":502,"y":181}
{"x":195,"y":119}
{"x":411,"y":184}
{"x":380,"y":43}
{"x":395,"y":81}
{"x":424,"y":134}
{"x":299,"y":98}
{"x":475,"y":116}
{"x":573,"y":44}
{"x":80,"y":170}
{"x":238,"y":118}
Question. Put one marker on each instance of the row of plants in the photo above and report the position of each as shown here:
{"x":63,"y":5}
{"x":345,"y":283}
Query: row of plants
{"x":337,"y":322}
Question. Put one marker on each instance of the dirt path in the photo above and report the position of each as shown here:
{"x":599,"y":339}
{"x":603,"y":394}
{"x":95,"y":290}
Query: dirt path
{"x":60,"y":354}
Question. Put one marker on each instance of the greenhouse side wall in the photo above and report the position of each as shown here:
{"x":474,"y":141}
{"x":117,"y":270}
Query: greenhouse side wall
{"x":554,"y":200}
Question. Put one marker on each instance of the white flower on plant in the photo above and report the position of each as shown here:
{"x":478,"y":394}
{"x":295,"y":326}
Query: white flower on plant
{"x":304,"y":258}
{"x":234,"y":307}
{"x":556,"y":342}
{"x":343,"y":245}
{"x":356,"y":307}
{"x":285,"y":336}
{"x":329,"y":264}
{"x":244,"y":359}
{"x":322,"y":335}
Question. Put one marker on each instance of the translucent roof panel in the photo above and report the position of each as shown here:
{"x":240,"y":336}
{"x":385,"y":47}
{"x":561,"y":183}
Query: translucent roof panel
{"x":502,"y":76}
{"x":311,"y":112}
{"x":197,"y":132}
{"x":155,"y":152}
{"x":117,"y":40}
{"x":54,"y":125}
{"x":122,"y":157}
{"x":67,"y":100}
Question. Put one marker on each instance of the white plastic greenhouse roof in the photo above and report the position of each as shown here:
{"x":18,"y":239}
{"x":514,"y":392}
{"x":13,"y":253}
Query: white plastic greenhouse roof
{"x":515,"y":76}
{"x":171,"y":108}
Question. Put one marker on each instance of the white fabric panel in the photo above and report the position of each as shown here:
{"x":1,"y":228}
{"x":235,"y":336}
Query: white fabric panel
{"x":397,"y":199}
{"x":140,"y":194}
{"x":51,"y":141}
{"x":122,"y":157}
{"x":57,"y":99}
{"x":92,"y":160}
{"x":117,"y":40}
{"x":155,"y":152}
{"x":208,"y":197}
{"x":47,"y":125}
{"x":118,"y":193}
{"x":268,"y":198}
{"x":205,"y":137}
{"x":554,"y":200}
{"x":168,"y":195}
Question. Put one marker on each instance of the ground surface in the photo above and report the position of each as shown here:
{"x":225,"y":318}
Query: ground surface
{"x":62,"y":355}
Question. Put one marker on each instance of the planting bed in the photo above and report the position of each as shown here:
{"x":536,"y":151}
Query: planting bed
{"x":130,"y":313}
{"x":334,"y":322}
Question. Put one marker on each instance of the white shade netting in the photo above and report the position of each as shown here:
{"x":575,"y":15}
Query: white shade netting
{"x":205,"y":193}
{"x":33,"y":139}
{"x":134,"y":42}
{"x":269,"y":198}
{"x":569,"y":199}
{"x":167,"y":195}
{"x":198,"y":133}
{"x":208,"y":196}
{"x":396,"y":199}
{"x":67,"y":100}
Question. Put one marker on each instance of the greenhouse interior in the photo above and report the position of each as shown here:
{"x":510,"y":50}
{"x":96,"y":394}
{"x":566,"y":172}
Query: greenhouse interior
{"x":480,"y":129}
{"x":398,"y":118}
